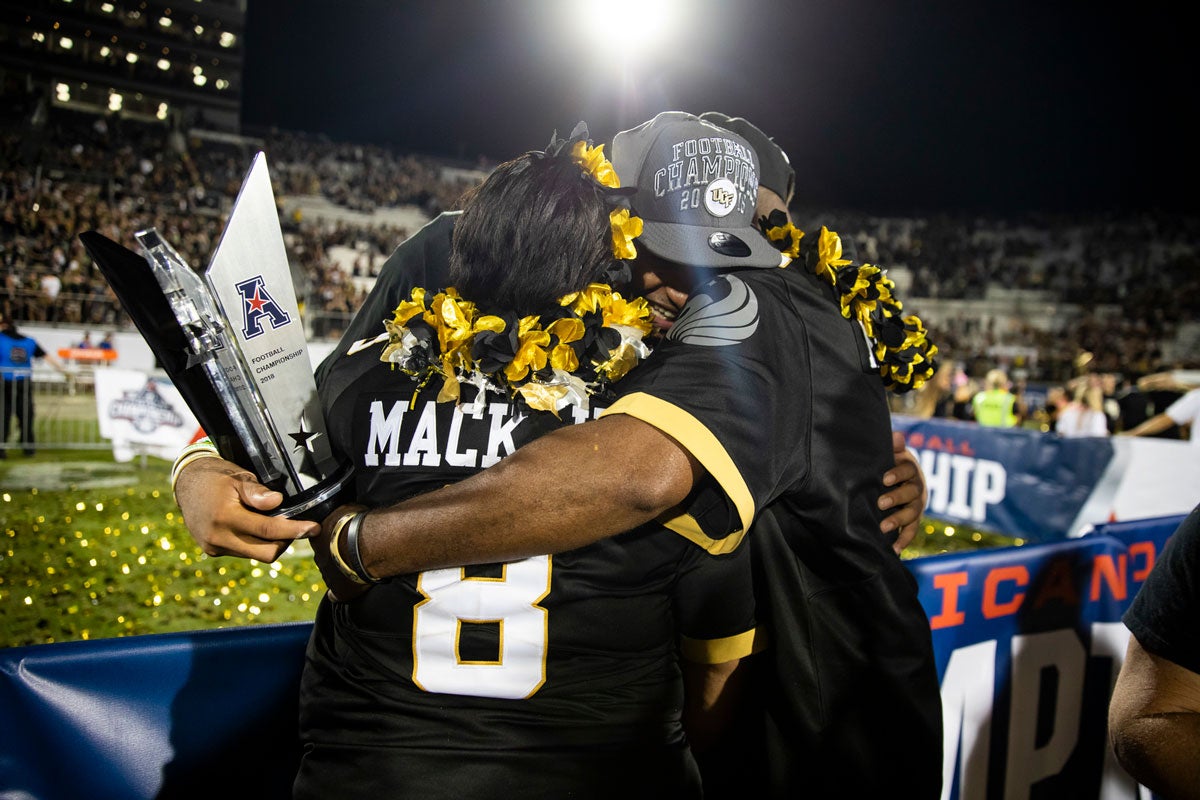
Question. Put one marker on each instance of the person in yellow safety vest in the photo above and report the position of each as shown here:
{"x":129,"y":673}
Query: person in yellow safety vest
{"x":995,"y":406}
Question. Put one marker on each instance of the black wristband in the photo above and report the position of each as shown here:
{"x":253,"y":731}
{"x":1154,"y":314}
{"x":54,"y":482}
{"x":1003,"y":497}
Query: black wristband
{"x":353,"y":555}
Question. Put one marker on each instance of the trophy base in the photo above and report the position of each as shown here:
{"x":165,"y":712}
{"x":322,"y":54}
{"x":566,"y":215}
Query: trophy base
{"x":318,"y":502}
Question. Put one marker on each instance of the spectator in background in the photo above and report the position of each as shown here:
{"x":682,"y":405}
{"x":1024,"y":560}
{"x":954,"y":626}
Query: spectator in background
{"x":1184,"y":412}
{"x":1084,"y":415}
{"x":1154,"y":714}
{"x":1133,"y":404}
{"x":107,"y":342}
{"x":86,"y":342}
{"x":946,"y":396}
{"x":996,"y":405}
{"x":1109,"y":386}
{"x":1048,"y":415}
{"x":17,"y":353}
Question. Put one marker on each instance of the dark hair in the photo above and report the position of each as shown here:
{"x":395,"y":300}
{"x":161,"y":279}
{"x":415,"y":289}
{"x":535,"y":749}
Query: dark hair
{"x":536,"y":229}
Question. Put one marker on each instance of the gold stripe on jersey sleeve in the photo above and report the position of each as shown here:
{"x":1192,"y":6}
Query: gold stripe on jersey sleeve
{"x":718,"y":651}
{"x":706,"y":448}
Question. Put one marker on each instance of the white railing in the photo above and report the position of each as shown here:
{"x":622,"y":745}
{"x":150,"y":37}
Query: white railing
{"x":43,"y":408}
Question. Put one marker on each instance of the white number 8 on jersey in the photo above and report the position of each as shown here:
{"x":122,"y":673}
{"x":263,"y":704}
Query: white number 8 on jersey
{"x":510,"y":600}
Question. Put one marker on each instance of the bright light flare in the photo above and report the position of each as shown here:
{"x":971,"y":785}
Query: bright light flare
{"x":626,"y":27}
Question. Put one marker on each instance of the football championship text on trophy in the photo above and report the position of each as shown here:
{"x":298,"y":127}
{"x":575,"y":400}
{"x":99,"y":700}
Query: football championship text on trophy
{"x":233,"y":343}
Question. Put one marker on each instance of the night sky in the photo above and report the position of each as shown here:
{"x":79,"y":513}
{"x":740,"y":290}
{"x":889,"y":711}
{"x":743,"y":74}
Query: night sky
{"x":885,"y":106}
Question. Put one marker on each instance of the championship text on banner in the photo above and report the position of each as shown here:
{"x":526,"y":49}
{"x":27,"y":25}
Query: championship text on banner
{"x":1029,"y":642}
{"x":1043,"y":487}
{"x":142,"y":414}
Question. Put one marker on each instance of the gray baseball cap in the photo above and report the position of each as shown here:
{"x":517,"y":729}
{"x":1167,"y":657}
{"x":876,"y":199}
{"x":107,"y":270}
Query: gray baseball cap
{"x":775,"y":169}
{"x":696,"y":190}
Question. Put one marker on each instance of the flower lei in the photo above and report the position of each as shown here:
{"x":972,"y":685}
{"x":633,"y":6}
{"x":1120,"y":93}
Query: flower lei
{"x":548,"y":361}
{"x":900,"y":344}
{"x":585,"y":344}
{"x":592,"y":161}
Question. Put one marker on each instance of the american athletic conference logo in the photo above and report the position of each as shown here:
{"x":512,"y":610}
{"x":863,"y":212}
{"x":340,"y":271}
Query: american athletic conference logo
{"x":257,"y":305}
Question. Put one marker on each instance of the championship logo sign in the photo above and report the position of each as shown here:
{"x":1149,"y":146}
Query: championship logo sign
{"x":145,"y":409}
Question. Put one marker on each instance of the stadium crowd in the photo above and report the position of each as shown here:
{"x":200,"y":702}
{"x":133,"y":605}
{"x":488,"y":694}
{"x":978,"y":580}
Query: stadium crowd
{"x":1124,"y":284}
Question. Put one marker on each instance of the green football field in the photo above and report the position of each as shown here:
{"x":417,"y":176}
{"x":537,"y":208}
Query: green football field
{"x":94,"y":548}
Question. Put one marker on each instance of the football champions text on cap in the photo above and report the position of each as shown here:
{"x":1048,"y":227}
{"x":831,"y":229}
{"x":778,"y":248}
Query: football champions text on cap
{"x":696,"y":190}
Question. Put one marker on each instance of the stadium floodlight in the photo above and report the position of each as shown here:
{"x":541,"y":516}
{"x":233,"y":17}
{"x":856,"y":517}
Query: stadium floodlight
{"x":228,"y":39}
{"x":625,"y":27}
{"x":163,"y":64}
{"x":107,"y":8}
{"x":162,"y":111}
{"x":131,"y":58}
{"x":115,"y":101}
{"x":66,"y":42}
{"x":199,"y":80}
{"x":164,"y":22}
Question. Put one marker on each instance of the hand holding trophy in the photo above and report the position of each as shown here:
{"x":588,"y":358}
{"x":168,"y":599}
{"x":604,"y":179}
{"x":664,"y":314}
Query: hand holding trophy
{"x":232,"y":342}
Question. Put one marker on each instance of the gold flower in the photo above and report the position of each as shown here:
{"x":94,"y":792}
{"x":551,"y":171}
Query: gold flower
{"x":451,"y":389}
{"x":567,"y":329}
{"x":789,"y":233}
{"x":625,"y":228}
{"x":633,"y":313}
{"x":410,"y":308}
{"x":541,"y":397}
{"x":454,"y":326}
{"x":592,"y":298}
{"x":531,"y":350}
{"x":595,"y":164}
{"x":829,"y":254}
{"x":623,"y":359}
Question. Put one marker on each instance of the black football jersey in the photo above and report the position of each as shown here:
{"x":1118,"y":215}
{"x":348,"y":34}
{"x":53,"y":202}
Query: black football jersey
{"x":777,"y":394}
{"x":551,"y":676}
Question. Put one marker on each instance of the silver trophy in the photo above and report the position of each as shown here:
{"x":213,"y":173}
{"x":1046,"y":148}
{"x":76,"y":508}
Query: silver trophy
{"x":233,"y":341}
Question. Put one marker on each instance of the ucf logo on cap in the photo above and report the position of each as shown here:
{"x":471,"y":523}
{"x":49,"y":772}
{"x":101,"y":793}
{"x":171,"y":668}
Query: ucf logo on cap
{"x":721,"y":197}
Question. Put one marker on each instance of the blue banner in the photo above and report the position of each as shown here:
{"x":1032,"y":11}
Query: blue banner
{"x":1012,"y":481}
{"x":1028,"y":643}
{"x":198,"y":714}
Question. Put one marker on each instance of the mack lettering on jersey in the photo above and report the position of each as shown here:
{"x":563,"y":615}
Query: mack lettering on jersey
{"x":432,"y":434}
